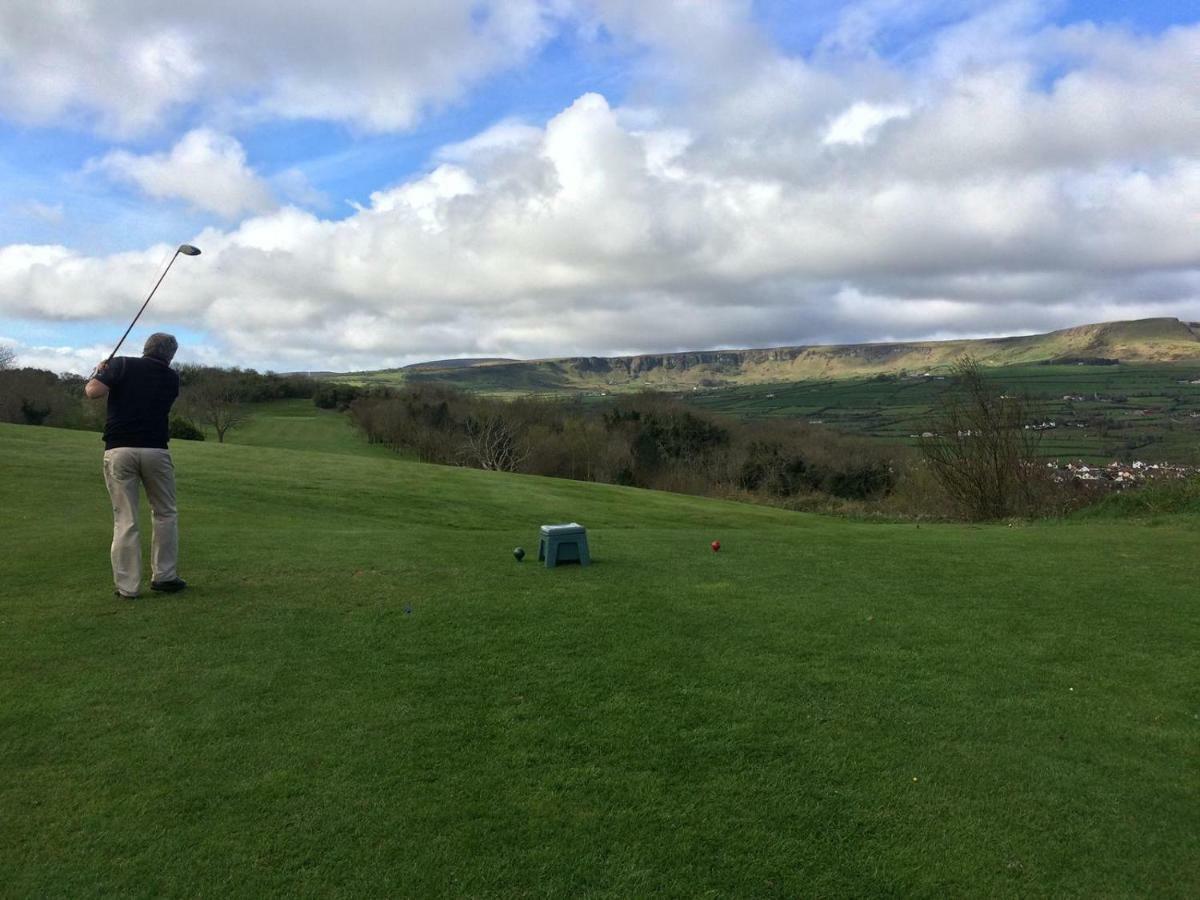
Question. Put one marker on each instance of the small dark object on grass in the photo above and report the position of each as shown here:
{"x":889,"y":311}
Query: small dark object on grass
{"x":716,"y":545}
{"x":519,"y":553}
{"x":408,"y":610}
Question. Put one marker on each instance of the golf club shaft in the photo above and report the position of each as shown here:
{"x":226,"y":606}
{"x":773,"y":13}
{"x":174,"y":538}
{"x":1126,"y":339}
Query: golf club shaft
{"x":143,"y":309}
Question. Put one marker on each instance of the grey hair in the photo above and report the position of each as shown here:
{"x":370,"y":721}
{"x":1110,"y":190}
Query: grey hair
{"x":161,"y":346}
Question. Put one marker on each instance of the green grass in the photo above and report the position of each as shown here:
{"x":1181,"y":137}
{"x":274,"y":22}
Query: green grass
{"x":825,"y":708}
{"x":1153,"y":502}
{"x":1140,"y":411}
{"x":298,"y":425}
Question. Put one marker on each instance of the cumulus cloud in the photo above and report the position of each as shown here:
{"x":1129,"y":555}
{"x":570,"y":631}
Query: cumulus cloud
{"x":780,"y":200}
{"x":78,"y":360}
{"x":206,"y":169}
{"x":128,"y":66}
{"x":861,"y":122}
{"x":500,"y":138}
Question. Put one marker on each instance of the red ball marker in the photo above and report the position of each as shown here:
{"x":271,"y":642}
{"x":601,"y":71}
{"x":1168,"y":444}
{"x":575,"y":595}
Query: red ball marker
{"x":716,"y":545}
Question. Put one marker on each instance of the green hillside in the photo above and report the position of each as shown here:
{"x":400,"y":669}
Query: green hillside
{"x":363,"y":694}
{"x":1093,"y":412}
{"x":1144,"y":340}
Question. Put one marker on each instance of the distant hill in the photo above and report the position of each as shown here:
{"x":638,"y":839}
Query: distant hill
{"x":1140,"y":340}
{"x":443,"y":364}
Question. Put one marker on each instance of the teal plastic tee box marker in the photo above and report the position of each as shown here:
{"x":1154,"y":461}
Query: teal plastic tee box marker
{"x":563,"y":543}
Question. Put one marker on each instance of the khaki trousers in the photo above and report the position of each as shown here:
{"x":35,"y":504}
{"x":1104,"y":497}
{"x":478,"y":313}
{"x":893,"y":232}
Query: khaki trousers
{"x":124,"y":469}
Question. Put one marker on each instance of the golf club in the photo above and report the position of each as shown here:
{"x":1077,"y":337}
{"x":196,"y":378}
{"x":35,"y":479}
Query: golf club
{"x":186,"y":250}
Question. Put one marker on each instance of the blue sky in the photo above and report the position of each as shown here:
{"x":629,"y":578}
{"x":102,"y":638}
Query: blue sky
{"x":637,"y":166}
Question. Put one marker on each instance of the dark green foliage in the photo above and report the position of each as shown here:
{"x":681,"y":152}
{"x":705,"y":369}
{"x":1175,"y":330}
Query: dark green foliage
{"x":1082,"y":361}
{"x":1161,"y":497}
{"x":250,"y":385}
{"x":34,"y":412}
{"x":862,"y":482}
{"x":768,"y":468}
{"x":329,"y":395}
{"x":185,"y":429}
{"x":37,"y":397}
{"x":663,"y":444}
{"x":643,"y":441}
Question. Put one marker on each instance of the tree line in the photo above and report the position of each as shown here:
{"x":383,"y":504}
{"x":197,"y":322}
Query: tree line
{"x":210,"y":398}
{"x":978,"y":460}
{"x":644,"y":440}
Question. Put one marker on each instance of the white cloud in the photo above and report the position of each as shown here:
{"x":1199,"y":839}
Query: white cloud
{"x":861,"y":122}
{"x":79,"y":360}
{"x":780,"y":200}
{"x":206,"y":169}
{"x":500,"y":138}
{"x":293,"y":184}
{"x":129,"y":67}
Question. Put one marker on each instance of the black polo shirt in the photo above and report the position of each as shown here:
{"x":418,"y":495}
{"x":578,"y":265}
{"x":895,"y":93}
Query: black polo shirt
{"x":140,"y":393}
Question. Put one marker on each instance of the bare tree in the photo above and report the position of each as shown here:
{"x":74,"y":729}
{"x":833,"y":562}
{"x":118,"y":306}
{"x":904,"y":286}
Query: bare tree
{"x":215,"y":398}
{"x":982,"y":446}
{"x":7,"y":357}
{"x":492,"y":443}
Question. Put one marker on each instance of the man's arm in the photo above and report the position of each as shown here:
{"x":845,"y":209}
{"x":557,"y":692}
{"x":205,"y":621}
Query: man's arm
{"x":95,"y":388}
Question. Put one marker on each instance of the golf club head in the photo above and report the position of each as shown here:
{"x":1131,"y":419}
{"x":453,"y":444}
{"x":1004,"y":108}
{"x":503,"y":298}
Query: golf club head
{"x":188,"y":250}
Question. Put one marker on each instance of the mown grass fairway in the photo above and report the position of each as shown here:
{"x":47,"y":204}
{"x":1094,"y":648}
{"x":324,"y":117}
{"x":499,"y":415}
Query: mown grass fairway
{"x":298,"y":425}
{"x":824,"y":708}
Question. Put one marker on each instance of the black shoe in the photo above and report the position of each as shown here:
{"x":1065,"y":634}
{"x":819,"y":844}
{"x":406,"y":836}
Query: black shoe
{"x":174,"y":586}
{"x":117,"y":593}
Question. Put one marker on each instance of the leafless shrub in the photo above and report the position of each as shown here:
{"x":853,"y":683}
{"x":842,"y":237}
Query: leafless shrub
{"x":493,"y":443}
{"x":980,"y":451}
{"x":215,"y":398}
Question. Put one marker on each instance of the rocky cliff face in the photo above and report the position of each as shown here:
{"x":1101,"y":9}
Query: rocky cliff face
{"x":1159,"y":339}
{"x":1142,"y":339}
{"x":734,"y":362}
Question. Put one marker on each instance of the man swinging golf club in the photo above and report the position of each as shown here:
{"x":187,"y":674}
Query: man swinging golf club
{"x":140,"y":393}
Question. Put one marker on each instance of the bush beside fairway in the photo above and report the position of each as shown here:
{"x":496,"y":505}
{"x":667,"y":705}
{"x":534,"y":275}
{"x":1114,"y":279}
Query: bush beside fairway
{"x":823,"y":708}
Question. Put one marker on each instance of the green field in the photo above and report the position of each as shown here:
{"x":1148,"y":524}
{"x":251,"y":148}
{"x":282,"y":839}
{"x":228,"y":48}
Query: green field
{"x":363,"y":694}
{"x":513,"y":380}
{"x":1146,"y":411}
{"x":298,"y":425}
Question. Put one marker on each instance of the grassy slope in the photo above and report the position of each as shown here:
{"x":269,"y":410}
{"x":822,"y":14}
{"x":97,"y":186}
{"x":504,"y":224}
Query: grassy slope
{"x":823,"y":708}
{"x":298,"y":425}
